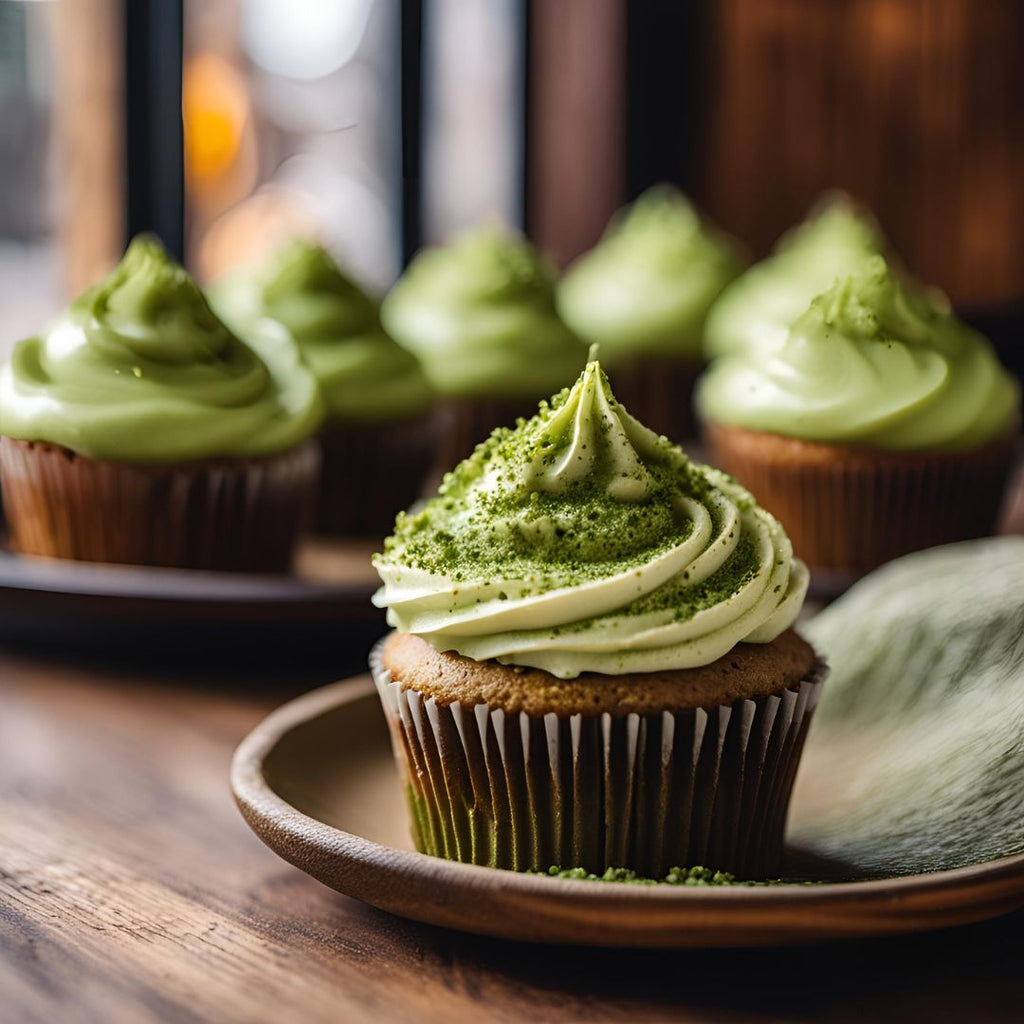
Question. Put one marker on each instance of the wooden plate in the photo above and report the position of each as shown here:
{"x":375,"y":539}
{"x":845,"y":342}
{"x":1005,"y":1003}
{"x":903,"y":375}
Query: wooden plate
{"x":124,"y":606}
{"x":317,"y":783}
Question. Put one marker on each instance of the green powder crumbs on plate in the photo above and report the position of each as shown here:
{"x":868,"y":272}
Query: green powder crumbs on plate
{"x":697,"y":876}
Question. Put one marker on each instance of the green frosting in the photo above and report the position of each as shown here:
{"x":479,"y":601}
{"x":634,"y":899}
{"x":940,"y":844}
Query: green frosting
{"x":872,"y":361}
{"x":363,"y":374}
{"x":480,"y":314}
{"x":646,"y":288}
{"x":582,"y":541}
{"x":757,"y":309}
{"x":139,"y":369}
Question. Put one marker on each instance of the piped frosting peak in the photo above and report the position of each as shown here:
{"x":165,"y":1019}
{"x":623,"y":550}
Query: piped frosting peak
{"x":592,"y":438}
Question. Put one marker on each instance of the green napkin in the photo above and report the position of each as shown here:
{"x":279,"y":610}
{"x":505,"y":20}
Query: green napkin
{"x":915,"y":760}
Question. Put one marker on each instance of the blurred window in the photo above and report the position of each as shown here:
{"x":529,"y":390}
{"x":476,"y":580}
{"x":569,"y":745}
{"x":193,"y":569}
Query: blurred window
{"x":28,"y":251}
{"x":474,"y":65}
{"x":292,"y":126}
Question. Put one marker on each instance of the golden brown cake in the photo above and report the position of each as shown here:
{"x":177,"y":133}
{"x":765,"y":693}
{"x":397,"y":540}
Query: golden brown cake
{"x":747,"y":672}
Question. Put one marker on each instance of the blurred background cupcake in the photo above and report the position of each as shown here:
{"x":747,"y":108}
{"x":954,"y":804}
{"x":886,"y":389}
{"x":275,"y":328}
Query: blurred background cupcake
{"x":757,"y":309}
{"x":642,"y":294}
{"x":381,"y":135}
{"x":139,"y":429}
{"x":378,"y":439}
{"x":882,"y":424}
{"x":480,"y":314}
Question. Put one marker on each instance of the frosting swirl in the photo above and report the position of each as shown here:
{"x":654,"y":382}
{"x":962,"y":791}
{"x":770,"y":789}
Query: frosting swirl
{"x":757,"y":309}
{"x":584,"y":542}
{"x":874,"y":362}
{"x":480,"y":314}
{"x":362,"y":373}
{"x":646,"y":287}
{"x":139,"y":369}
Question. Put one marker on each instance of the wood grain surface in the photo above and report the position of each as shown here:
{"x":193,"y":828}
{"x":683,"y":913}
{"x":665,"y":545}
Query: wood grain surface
{"x":131,"y":890}
{"x":912,"y":105}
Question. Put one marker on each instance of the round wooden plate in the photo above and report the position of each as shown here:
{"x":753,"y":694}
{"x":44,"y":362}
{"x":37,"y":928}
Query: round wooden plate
{"x":317,"y":783}
{"x":124,"y":605}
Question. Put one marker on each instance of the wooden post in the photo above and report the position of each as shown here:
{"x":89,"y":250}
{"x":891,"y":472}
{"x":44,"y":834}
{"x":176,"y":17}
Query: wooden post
{"x":88,"y":138}
{"x":575,"y":161}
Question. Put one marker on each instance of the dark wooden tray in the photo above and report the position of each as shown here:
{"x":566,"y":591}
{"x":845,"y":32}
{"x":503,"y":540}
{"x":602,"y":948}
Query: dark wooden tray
{"x":183,"y":612}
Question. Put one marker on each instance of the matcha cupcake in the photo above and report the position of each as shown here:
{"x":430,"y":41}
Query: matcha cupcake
{"x":378,"y":439}
{"x":643,"y":294}
{"x":881,"y":425}
{"x":480,"y":314}
{"x":593,"y":664}
{"x":757,"y":309}
{"x":139,"y":429}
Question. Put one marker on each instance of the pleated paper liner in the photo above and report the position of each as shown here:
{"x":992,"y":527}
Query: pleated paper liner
{"x":849,"y":509}
{"x":659,"y":393}
{"x":238,"y":515}
{"x":643,"y":791}
{"x":372,"y":471}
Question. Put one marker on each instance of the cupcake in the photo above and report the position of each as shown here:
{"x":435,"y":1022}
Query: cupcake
{"x":593,"y":664}
{"x":643,"y":294}
{"x":378,"y":438}
{"x":480,"y":314}
{"x":139,"y":429}
{"x":882,"y":424}
{"x":757,"y":309}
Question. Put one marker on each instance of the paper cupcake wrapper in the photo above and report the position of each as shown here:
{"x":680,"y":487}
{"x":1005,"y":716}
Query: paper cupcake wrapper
{"x":644,"y":791}
{"x":372,"y":472}
{"x":659,"y":393}
{"x":854,"y":509}
{"x":241,"y":515}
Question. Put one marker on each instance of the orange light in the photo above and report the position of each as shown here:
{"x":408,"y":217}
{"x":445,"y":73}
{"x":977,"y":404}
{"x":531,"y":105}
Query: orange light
{"x":215,"y":108}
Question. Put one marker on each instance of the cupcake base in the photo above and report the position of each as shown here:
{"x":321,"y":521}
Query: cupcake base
{"x":659,"y":393}
{"x":646,"y":790}
{"x":370,"y":472}
{"x":235,"y":515}
{"x":851,"y":508}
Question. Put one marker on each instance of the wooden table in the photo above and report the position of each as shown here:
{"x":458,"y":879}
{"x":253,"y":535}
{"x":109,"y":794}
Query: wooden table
{"x":131,"y":890}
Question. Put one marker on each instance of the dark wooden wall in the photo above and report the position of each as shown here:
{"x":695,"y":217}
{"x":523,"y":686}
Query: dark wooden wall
{"x":755,"y":106}
{"x":575,"y":131}
{"x":917,"y":106}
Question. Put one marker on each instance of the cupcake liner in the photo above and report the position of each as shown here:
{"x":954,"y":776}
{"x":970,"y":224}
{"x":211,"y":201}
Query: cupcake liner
{"x":466,"y":422}
{"x":849,"y":509}
{"x":239,"y":515}
{"x":370,"y":472}
{"x":643,"y":791}
{"x":659,"y":393}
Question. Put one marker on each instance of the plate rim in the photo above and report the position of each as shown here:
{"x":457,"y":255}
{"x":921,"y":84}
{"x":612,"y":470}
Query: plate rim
{"x":265,"y":811}
{"x":166,"y":585}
